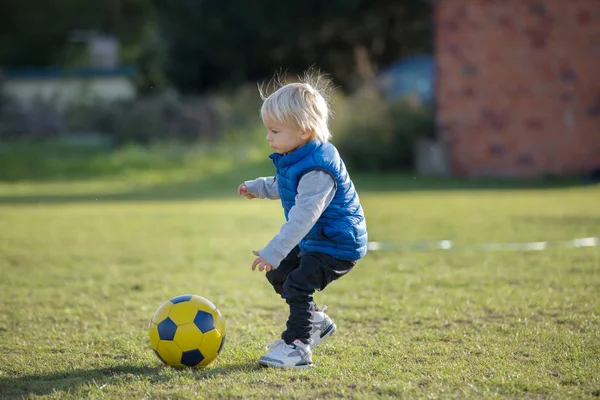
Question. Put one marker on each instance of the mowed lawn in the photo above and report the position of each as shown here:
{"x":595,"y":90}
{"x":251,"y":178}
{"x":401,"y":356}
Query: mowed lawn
{"x":81,"y":274}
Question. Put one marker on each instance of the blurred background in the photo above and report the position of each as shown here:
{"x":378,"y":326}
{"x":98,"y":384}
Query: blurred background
{"x":450,"y":88}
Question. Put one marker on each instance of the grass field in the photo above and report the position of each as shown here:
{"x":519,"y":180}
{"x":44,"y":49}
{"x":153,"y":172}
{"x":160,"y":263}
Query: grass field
{"x":84,"y":264}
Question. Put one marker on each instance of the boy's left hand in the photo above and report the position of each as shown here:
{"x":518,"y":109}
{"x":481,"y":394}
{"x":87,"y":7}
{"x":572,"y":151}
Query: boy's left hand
{"x":261,"y":263}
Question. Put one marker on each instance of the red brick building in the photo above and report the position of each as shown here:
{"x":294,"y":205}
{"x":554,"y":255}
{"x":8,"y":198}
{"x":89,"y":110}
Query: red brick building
{"x":518,"y":86}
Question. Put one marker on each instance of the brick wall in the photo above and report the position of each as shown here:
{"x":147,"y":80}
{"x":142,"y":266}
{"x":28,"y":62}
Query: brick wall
{"x":518,"y":86}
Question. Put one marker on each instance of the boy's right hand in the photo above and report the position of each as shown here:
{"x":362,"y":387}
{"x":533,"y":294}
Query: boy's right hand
{"x":243,"y":191}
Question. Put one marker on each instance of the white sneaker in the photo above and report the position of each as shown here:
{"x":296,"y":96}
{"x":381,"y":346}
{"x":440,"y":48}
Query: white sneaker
{"x":294,"y":355}
{"x":323,"y":326}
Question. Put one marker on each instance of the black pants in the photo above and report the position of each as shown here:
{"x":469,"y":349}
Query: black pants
{"x":296,"y":279}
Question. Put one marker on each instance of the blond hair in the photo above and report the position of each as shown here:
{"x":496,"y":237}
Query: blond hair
{"x":303,"y":105}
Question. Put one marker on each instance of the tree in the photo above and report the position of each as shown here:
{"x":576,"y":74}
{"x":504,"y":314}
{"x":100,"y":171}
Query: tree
{"x":208,"y":44}
{"x":35,"y":33}
{"x":216,"y":43}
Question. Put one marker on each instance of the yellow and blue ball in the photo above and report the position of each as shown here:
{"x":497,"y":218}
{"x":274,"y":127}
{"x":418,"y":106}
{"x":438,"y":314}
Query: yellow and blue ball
{"x":187,"y":331}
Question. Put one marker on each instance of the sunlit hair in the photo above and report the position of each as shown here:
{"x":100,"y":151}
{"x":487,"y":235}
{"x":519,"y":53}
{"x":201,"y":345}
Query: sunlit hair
{"x":303,"y":105}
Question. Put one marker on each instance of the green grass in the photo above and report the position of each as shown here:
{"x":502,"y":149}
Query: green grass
{"x":84,"y":264}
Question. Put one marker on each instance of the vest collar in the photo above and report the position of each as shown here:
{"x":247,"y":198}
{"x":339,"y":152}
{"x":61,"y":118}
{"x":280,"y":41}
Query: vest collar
{"x":285,"y":160}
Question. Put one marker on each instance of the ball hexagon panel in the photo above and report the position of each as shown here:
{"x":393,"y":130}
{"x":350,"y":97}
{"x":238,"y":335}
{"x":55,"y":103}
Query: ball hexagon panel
{"x":192,"y":358}
{"x":181,"y":298}
{"x":162,"y":312}
{"x":188,"y":337}
{"x":219,"y":321}
{"x":202,"y":304}
{"x":207,"y":360}
{"x":221,"y":345}
{"x":170,"y":352}
{"x":154,"y":336}
{"x":204,"y":321}
{"x":211,"y":342}
{"x":166,"y":329}
{"x":183,"y":313}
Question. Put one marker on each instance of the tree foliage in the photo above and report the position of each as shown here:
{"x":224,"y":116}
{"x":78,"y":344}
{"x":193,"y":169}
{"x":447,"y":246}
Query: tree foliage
{"x":214,"y":43}
{"x":39,"y":33}
{"x":222,"y":43}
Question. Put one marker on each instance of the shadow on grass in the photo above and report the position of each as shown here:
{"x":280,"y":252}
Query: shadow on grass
{"x":55,"y":161}
{"x":216,"y":185}
{"x":44,"y":384}
{"x":410,"y":182}
{"x":224,"y":184}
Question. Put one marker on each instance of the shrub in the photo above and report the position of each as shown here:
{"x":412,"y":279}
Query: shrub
{"x":144,"y":120}
{"x":373,"y":134}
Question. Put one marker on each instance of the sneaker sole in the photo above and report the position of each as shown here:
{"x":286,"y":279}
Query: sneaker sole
{"x":266,"y":364}
{"x":326,"y":333}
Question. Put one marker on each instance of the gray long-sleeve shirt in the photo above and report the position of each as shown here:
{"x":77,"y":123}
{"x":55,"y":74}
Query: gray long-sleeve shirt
{"x":315,"y":191}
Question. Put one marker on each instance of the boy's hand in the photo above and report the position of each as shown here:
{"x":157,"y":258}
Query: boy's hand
{"x":243,"y":191}
{"x":261,"y":263}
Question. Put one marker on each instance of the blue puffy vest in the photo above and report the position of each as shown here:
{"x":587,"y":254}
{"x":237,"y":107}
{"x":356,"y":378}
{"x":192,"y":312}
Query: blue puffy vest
{"x":341,"y":231}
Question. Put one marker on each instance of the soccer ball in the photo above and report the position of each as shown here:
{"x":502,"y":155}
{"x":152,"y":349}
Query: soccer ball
{"x":187,"y":331}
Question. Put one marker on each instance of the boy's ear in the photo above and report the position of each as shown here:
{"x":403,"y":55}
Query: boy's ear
{"x":306,"y":135}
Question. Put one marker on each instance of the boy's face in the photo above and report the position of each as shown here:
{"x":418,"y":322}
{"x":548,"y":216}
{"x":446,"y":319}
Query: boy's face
{"x":284,"y":138}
